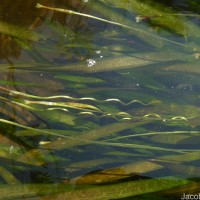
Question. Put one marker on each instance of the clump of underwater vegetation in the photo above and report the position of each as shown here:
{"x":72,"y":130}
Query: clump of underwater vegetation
{"x":99,"y":99}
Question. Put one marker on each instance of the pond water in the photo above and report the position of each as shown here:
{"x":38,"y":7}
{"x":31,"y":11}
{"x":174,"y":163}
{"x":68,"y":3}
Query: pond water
{"x":101,"y":102}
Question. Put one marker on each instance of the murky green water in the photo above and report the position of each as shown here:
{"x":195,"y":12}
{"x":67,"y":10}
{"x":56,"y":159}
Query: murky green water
{"x":103,"y":106}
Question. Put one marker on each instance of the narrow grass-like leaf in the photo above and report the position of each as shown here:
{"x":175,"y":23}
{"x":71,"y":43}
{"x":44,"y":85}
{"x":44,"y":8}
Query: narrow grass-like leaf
{"x":154,"y":39}
{"x":64,"y":191}
{"x":126,"y":189}
{"x":112,"y":22}
{"x":157,"y":13}
{"x":8,"y":176}
{"x":89,"y":164}
{"x":79,"y":79}
{"x":18,"y":32}
{"x":185,"y":67}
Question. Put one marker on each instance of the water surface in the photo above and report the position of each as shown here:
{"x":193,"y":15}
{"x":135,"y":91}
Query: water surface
{"x":91,"y":107}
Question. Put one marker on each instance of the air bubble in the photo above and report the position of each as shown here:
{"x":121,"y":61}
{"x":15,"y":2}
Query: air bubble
{"x":90,"y":62}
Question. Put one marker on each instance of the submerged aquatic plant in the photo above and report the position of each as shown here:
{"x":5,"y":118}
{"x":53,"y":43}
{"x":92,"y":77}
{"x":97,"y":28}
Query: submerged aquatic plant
{"x":96,"y":106}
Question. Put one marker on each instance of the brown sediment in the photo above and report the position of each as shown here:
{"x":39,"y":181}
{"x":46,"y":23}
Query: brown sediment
{"x":26,"y":15}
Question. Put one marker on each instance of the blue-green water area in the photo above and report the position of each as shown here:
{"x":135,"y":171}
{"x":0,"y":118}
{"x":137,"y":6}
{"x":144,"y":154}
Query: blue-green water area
{"x":99,"y":99}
